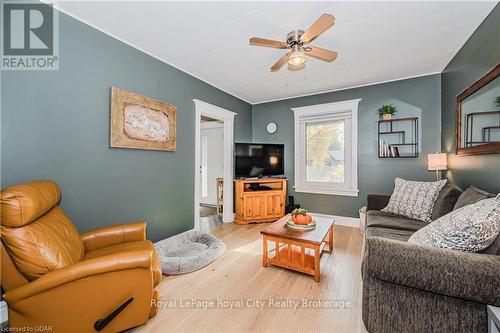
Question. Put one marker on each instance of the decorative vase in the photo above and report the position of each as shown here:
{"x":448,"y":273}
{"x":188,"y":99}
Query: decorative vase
{"x":387,"y":116}
{"x":301,"y":219}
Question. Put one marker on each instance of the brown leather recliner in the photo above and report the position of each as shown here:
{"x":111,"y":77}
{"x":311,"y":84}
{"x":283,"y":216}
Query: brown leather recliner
{"x":60,"y":281}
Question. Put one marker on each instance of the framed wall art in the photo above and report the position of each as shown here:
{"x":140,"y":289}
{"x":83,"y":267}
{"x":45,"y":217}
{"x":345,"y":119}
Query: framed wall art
{"x":140,"y":122}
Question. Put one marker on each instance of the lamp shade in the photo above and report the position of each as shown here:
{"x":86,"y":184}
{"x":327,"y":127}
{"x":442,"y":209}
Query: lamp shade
{"x":436,"y":162}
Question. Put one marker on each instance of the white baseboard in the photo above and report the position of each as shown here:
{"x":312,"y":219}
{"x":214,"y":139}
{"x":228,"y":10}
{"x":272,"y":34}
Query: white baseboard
{"x":352,"y":222}
{"x":232,"y":220}
{"x":3,"y":313}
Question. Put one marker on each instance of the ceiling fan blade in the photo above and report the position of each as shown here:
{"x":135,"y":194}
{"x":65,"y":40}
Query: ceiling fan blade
{"x":321,"y":54}
{"x":325,"y":22}
{"x":256,"y":41}
{"x":276,"y":67}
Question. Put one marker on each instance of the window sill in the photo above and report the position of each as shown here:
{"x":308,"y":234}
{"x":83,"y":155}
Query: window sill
{"x":348,"y":193}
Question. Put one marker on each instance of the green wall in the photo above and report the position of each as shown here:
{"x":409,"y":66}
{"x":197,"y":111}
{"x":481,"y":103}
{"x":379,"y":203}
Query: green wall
{"x":419,"y":96}
{"x":55,"y":124}
{"x":480,"y":53}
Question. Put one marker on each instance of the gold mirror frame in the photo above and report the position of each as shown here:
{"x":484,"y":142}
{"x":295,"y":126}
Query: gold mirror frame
{"x":487,"y":148}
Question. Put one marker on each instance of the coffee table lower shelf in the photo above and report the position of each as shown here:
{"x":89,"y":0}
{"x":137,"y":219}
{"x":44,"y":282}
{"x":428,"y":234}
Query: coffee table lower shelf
{"x":296,"y":256}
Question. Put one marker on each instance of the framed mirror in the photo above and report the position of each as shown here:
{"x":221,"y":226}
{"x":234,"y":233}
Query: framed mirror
{"x":477,"y":122}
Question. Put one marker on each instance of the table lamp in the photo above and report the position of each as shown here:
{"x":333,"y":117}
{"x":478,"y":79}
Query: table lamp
{"x":436,"y":162}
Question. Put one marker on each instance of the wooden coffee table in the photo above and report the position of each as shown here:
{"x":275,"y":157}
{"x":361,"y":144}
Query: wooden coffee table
{"x":296,"y":249}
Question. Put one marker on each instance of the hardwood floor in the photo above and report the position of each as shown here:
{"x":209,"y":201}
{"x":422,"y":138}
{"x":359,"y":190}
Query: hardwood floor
{"x":238,"y":278}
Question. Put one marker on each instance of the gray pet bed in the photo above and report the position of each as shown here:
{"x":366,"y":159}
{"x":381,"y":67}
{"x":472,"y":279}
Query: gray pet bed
{"x":188,"y":252}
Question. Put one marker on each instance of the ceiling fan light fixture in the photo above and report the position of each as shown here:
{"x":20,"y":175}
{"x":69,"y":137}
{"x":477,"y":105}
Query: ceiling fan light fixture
{"x":297,"y":58}
{"x":296,"y":68}
{"x":297,"y":45}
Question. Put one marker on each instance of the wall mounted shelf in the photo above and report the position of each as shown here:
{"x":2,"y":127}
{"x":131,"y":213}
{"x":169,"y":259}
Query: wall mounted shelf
{"x":398,"y":138}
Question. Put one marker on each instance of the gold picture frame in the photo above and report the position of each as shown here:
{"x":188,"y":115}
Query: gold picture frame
{"x":140,"y":122}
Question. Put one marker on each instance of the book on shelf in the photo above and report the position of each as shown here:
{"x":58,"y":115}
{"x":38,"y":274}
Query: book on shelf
{"x":388,"y":150}
{"x":394,"y":150}
{"x":385,"y":149}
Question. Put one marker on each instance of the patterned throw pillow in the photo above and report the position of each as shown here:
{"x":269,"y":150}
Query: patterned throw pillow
{"x":414,"y":199}
{"x":471,"y":228}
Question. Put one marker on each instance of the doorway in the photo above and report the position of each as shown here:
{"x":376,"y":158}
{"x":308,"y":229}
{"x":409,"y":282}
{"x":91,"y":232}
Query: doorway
{"x":211,"y":172}
{"x":212,"y":122}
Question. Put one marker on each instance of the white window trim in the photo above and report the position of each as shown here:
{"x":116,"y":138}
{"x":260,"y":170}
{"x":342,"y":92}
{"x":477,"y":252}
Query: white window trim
{"x":319,"y":110}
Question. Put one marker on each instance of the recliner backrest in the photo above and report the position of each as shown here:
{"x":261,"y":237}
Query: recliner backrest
{"x":36,"y":233}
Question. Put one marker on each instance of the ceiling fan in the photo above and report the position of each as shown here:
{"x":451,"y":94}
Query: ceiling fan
{"x":297,"y":41}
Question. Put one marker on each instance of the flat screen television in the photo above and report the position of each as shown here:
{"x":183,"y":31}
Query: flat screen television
{"x":259,"y":160}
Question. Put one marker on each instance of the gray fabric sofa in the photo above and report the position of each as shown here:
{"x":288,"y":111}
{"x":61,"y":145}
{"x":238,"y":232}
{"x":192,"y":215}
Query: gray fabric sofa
{"x":414,"y":288}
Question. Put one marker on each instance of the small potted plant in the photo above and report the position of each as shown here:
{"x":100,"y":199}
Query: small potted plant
{"x":386,"y":111}
{"x":300,"y":216}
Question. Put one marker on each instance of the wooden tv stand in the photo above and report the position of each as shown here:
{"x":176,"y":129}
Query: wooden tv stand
{"x":264,"y":204}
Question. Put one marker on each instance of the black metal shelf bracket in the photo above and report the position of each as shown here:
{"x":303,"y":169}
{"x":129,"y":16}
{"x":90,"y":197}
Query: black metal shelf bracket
{"x":402,"y":137}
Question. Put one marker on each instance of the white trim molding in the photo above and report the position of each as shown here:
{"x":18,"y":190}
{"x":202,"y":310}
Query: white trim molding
{"x":4,"y":313}
{"x":227,"y":117}
{"x":57,"y":6}
{"x":327,"y":191}
{"x":211,"y":125}
{"x":346,"y":110}
{"x":352,"y":222}
{"x":374,"y":83}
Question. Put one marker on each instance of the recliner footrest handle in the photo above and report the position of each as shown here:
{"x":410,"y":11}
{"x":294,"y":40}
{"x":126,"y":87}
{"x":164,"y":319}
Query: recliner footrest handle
{"x":101,"y":323}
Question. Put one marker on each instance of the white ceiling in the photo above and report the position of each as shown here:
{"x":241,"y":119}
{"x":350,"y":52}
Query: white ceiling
{"x":376,"y":41}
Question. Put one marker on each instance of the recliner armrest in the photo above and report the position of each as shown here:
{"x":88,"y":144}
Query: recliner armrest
{"x":81,"y":270}
{"x":377,"y":201}
{"x":117,"y":234}
{"x":470,"y":276}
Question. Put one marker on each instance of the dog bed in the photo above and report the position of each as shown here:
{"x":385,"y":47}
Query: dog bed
{"x":188,"y":252}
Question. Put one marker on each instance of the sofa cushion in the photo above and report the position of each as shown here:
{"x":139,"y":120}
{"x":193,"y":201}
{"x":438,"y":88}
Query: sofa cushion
{"x":377,"y":218}
{"x":472,"y":228}
{"x":493,"y":248}
{"x":395,"y":234}
{"x":377,"y":201}
{"x":470,"y":196}
{"x":414,"y":199}
{"x":446,"y":200}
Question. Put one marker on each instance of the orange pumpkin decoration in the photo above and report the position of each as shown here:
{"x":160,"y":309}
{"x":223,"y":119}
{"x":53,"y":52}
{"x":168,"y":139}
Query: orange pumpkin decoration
{"x":301,"y":219}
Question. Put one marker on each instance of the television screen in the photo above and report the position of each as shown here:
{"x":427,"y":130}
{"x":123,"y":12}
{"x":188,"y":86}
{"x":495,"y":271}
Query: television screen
{"x":259,"y":160}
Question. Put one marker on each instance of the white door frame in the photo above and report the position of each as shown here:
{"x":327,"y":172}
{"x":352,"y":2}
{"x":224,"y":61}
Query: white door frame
{"x":227,"y":117}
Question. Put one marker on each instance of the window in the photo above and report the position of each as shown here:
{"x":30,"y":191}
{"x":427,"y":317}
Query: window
{"x":326,"y":148}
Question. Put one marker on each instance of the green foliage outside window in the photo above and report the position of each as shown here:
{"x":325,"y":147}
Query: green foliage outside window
{"x":324,"y":139}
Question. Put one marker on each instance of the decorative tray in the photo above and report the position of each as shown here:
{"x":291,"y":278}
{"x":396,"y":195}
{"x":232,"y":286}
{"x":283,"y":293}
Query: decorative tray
{"x":309,"y":226}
